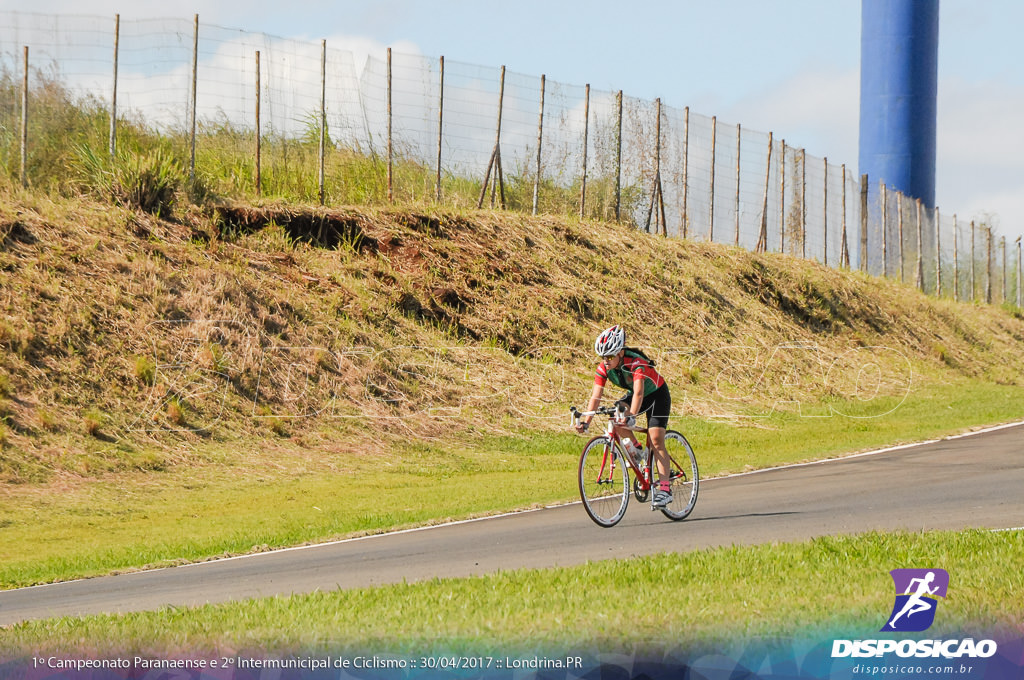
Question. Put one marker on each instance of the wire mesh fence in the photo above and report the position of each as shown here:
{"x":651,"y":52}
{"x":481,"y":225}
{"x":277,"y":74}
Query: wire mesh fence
{"x":253,"y":115}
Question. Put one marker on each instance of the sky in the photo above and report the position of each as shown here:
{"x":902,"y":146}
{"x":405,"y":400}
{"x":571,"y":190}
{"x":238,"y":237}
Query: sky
{"x":791,"y":67}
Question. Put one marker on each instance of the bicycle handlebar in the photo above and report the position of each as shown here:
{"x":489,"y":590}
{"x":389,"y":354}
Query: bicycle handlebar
{"x":610,"y":411}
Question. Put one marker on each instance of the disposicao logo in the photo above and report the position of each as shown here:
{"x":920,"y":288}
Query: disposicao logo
{"x":917,"y":593}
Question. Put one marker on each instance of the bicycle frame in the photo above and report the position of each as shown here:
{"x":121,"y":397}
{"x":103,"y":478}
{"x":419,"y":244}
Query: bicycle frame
{"x":643,"y":476}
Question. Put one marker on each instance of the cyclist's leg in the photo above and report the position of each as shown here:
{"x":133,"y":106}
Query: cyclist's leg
{"x":658,"y":406}
{"x":656,"y":440}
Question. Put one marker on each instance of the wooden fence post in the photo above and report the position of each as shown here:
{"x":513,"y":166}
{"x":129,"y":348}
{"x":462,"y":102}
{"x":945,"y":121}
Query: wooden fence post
{"x":736,"y":203}
{"x":195,"y":74}
{"x":618,"y":159}
{"x":586,"y":131}
{"x":113,"y":94}
{"x":762,"y":239}
{"x":391,"y":149}
{"x":974,"y":284}
{"x":864,"y":223}
{"x":885,"y":230}
{"x":685,"y":217}
{"x":657,"y":174}
{"x":259,"y":135}
{"x":899,"y":232}
{"x":1020,"y":277}
{"x":657,"y":206}
{"x":824,"y":215}
{"x":844,"y":250}
{"x":711,"y":209}
{"x":323,"y":123}
{"x":937,"y":223}
{"x":988,"y":264}
{"x":803,"y":203}
{"x":920,"y":248}
{"x":1005,"y":285}
{"x":495,"y":162}
{"x":540,"y":139}
{"x":440,"y":133}
{"x":782,"y":200}
{"x":956,"y":261}
{"x":24,"y":121}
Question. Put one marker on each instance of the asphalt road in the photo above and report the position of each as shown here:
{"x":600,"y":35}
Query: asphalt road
{"x":972,"y":481}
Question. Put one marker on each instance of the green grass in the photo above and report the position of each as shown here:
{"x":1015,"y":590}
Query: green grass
{"x":166,"y":517}
{"x":830,"y":586}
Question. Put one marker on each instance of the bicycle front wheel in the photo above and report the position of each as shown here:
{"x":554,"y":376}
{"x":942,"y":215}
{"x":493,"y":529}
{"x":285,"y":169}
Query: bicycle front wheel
{"x":604,"y":482}
{"x":684,"y":476}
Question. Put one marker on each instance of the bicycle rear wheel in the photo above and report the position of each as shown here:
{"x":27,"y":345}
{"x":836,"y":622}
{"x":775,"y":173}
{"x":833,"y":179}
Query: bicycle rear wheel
{"x":604,"y":482}
{"x":684,"y":475}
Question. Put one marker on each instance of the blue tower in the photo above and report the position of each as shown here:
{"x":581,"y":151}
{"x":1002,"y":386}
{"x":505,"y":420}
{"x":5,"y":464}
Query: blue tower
{"x":898,"y":84}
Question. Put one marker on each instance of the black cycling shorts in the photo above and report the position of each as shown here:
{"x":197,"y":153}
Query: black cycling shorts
{"x":656,"y":406}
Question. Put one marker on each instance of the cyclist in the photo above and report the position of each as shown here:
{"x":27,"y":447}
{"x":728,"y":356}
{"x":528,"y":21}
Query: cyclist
{"x":648,"y":393}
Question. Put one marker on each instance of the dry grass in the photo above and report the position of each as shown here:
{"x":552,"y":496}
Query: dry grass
{"x":129,"y":341}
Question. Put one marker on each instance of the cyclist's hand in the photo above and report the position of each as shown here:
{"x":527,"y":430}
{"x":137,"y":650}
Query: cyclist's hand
{"x":630,"y":421}
{"x":582,"y":427}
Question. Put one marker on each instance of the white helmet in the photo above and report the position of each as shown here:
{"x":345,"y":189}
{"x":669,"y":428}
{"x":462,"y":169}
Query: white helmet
{"x":610,"y":341}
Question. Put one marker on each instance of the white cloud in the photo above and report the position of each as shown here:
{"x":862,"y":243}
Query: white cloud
{"x":981,"y":152}
{"x":816,"y":109}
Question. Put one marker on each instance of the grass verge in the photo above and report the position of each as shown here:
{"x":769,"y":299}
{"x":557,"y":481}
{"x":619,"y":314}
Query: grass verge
{"x":831,"y":586}
{"x":245,"y":503}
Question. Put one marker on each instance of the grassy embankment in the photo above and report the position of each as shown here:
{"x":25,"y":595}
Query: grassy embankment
{"x":236,"y":377}
{"x":176,"y":390}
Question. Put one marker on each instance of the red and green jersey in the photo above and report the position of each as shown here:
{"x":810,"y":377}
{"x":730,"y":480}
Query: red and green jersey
{"x":633,"y":365}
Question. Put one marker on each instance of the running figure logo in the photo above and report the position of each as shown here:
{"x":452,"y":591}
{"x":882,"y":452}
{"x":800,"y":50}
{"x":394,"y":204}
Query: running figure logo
{"x":917,"y":591}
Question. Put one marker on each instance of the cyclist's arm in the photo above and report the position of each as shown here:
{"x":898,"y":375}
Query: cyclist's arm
{"x":595,"y":400}
{"x":638,"y":393}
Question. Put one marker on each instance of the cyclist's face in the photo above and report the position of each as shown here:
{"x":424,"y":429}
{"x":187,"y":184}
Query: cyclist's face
{"x":612,"y":361}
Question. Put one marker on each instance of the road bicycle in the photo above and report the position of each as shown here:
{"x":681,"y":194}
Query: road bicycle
{"x":604,"y":471}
